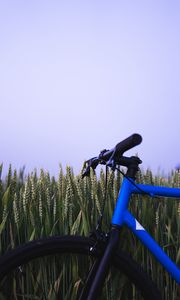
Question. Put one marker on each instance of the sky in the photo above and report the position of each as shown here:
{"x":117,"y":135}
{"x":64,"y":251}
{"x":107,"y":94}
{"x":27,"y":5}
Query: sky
{"x":80,"y":76}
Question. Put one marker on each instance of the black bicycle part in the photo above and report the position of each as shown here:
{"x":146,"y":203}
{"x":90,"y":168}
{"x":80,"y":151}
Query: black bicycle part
{"x":15,"y":259}
{"x":100,"y":219}
{"x":104,"y":265}
{"x":115,"y":157}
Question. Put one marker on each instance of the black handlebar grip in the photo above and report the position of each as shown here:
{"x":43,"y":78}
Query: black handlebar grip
{"x":132,"y":141}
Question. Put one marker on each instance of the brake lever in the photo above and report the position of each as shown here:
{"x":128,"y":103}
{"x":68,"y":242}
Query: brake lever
{"x":92,"y":163}
{"x":101,"y":156}
{"x":86,"y":172}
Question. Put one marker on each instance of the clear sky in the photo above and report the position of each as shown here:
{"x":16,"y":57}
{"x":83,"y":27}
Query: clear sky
{"x":79,"y":76}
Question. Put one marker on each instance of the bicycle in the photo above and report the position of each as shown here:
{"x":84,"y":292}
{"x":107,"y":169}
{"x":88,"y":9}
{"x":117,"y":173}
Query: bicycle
{"x":99,"y":251}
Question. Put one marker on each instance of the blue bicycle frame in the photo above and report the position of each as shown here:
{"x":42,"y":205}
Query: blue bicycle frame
{"x":122,"y":216}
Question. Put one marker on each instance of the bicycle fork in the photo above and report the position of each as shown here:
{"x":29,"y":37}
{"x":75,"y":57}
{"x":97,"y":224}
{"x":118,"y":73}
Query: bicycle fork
{"x":100,"y":268}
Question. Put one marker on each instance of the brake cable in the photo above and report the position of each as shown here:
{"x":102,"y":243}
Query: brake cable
{"x":136,"y":186}
{"x":99,"y":222}
{"x":132,"y":182}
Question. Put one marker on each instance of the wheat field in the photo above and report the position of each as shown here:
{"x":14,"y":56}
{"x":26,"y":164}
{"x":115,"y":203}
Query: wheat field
{"x":35,"y":206}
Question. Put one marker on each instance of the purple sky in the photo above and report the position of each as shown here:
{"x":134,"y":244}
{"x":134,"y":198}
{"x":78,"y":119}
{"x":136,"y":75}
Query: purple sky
{"x":79,"y":76}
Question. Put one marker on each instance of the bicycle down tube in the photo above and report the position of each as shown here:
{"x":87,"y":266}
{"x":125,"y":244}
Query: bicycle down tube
{"x":123,"y":216}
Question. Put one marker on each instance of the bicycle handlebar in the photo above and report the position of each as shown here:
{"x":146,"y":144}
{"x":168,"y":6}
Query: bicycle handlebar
{"x":125,"y":145}
{"x":107,"y":156}
{"x":132,"y":141}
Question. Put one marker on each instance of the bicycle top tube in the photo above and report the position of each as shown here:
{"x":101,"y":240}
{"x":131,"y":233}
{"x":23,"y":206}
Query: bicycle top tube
{"x":128,"y":188}
{"x":156,"y":190}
